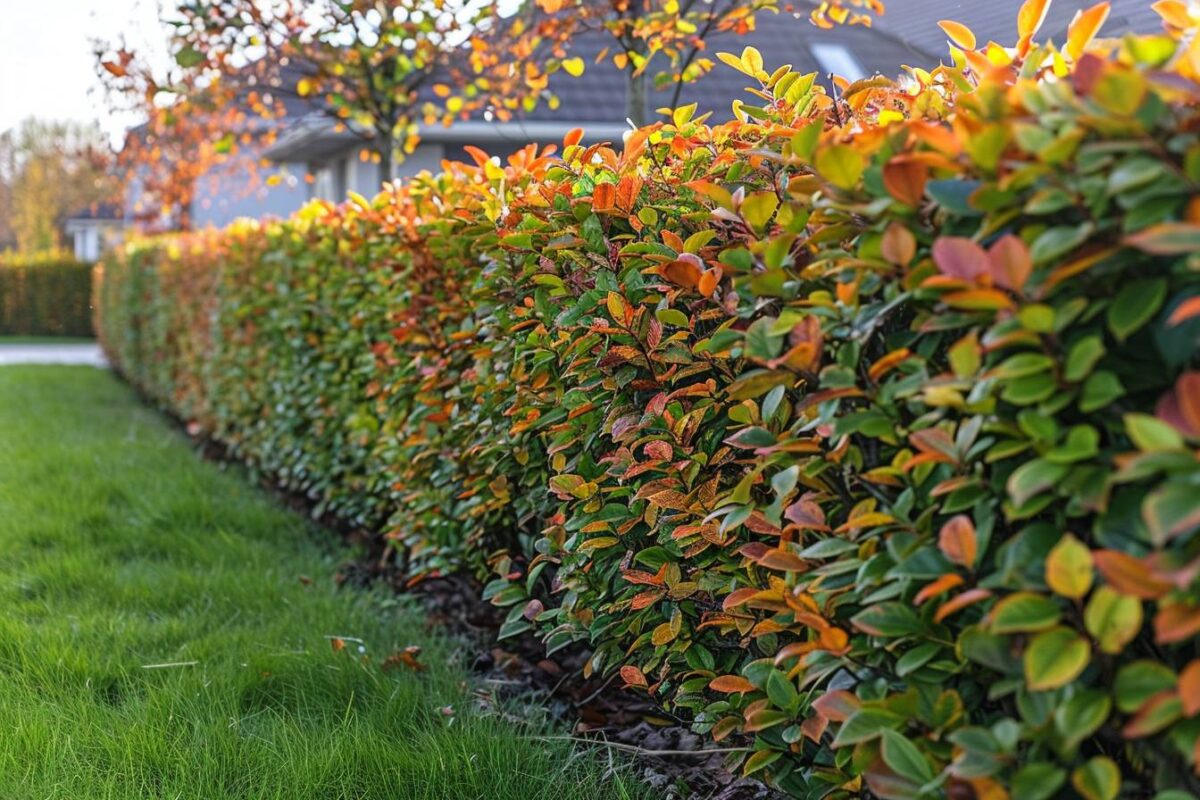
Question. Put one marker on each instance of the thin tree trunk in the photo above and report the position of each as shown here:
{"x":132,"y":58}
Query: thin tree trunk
{"x":635,"y":98}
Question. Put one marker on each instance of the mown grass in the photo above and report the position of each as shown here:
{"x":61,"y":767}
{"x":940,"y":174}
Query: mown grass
{"x":120,"y":551}
{"x":46,"y":340}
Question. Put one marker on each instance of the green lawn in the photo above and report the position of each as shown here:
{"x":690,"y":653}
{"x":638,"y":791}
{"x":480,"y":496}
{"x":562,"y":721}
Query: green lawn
{"x":46,"y":340}
{"x":158,"y":640}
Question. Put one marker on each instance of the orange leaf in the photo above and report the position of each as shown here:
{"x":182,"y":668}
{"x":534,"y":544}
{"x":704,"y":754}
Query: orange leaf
{"x":898,"y":245}
{"x":1029,"y":20}
{"x":477,"y":155}
{"x":633,"y":676}
{"x":1189,"y":688}
{"x":837,"y":706}
{"x":731,"y":684}
{"x":708,"y":282}
{"x":905,"y":178}
{"x":573,"y":137}
{"x":957,"y":540}
{"x":959,"y":602}
{"x":684,"y":271}
{"x":604,"y":198}
{"x":1084,"y":27}
{"x":938,"y":587}
{"x":1010,"y":262}
{"x":1186,"y":310}
{"x":960,"y":34}
{"x":1176,"y":622}
{"x":1129,"y":575}
{"x":978,"y":300}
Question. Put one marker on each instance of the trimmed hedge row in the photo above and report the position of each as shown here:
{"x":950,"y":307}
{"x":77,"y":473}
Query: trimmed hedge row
{"x":47,"y":296}
{"x":863,"y":432}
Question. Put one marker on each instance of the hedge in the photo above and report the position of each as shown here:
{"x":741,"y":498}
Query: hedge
{"x":861,"y":433}
{"x":45,"y":296}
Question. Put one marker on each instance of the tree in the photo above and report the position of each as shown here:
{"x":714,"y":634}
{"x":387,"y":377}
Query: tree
{"x":49,"y":170}
{"x":384,"y":68}
{"x":640,"y":34}
{"x":362,"y":62}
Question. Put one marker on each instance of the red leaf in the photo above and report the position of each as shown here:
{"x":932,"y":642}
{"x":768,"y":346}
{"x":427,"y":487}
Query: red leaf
{"x":633,"y":676}
{"x":960,"y":258}
{"x":1010,"y":262}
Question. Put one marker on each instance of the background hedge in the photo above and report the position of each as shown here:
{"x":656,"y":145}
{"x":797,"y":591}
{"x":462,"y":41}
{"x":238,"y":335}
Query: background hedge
{"x":45,"y":296}
{"x":859,"y":432}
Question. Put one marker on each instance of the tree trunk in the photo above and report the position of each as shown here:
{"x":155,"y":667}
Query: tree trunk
{"x":635,"y":98}
{"x":386,"y":166}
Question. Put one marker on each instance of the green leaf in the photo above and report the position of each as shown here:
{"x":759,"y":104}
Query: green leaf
{"x":1112,"y":619}
{"x":1032,"y":478}
{"x":888,"y":619}
{"x":757,"y":209}
{"x":672,"y":316}
{"x":1098,"y":779}
{"x":1135,"y":305}
{"x":1054,"y":658}
{"x":1054,"y":243}
{"x":761,"y":345}
{"x":1081,"y":716}
{"x":1023,"y":612}
{"x":782,"y":691}
{"x":841,"y":165}
{"x":904,"y":758}
{"x":1100,"y":389}
{"x":866,"y":724}
{"x":1038,"y":781}
{"x":1138,"y":681}
{"x":1082,"y":356}
{"x":1170,"y":511}
{"x":1151,"y":434}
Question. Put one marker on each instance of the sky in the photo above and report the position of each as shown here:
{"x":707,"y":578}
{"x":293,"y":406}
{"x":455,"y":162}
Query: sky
{"x":47,"y":69}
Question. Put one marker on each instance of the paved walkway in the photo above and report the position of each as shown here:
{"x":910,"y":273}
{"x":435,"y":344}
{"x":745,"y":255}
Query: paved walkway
{"x":52,"y":354}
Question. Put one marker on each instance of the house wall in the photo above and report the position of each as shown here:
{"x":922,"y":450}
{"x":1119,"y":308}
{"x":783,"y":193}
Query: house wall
{"x":223,"y":196}
{"x":87,"y":243}
{"x":92,"y":238}
{"x":347,"y":172}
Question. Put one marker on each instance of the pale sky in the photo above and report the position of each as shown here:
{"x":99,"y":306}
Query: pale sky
{"x":47,"y":68}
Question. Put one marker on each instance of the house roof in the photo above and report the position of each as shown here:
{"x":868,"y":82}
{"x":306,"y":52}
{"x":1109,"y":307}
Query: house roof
{"x":101,"y":212}
{"x":906,"y":34}
{"x":915,"y":21}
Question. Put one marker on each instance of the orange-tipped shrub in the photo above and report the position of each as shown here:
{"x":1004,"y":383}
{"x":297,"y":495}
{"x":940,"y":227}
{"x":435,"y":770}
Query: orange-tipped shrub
{"x":864,"y":430}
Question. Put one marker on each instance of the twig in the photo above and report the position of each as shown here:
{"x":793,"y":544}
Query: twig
{"x":641,"y":751}
{"x":171,"y":664}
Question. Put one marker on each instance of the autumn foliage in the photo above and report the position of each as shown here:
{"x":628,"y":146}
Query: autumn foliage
{"x":862,"y":433}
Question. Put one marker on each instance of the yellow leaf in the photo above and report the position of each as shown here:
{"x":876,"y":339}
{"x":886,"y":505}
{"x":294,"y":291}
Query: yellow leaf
{"x":1069,"y":569}
{"x":841,"y":165}
{"x":573,"y":66}
{"x":959,"y":34}
{"x":304,"y":87}
{"x":1084,"y":27}
{"x":753,"y":61}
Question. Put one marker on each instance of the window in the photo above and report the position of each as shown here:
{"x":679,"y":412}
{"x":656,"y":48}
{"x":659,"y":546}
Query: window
{"x":838,"y":59}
